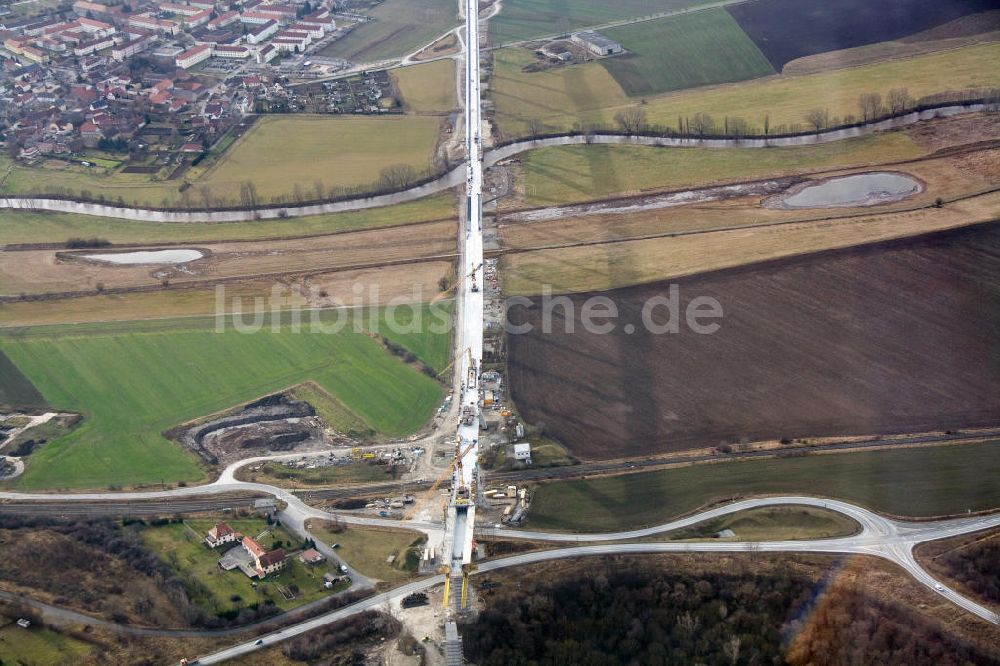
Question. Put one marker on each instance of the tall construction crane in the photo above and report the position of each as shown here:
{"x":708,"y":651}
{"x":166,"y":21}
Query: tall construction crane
{"x":461,"y":278}
{"x":438,"y":481}
{"x":467,"y":350}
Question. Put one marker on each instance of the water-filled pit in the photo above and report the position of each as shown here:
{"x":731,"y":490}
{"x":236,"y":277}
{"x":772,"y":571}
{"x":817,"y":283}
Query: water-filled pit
{"x":147,"y":257}
{"x":861,"y":189}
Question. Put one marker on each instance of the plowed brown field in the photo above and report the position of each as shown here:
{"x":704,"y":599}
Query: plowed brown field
{"x":894,"y":337}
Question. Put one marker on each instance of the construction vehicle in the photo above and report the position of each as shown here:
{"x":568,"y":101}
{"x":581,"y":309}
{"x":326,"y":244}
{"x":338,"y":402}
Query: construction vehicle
{"x":472,"y":276}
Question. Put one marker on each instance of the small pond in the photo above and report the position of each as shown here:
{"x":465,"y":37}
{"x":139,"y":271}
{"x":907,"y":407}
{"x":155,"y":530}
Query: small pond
{"x":862,"y":189}
{"x":147,"y":257}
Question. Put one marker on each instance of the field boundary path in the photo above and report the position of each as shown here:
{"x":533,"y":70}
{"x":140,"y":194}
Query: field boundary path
{"x":458,"y":175}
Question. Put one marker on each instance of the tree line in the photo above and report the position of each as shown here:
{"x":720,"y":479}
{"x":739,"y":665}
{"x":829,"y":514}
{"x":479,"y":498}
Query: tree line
{"x":627,"y":611}
{"x":393,"y":178}
{"x":634,"y":120}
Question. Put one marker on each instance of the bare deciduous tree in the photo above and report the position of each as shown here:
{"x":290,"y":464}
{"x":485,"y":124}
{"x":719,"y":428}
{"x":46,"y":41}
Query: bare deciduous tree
{"x":631,"y":121}
{"x":818,"y":119}
{"x":397,"y":176}
{"x":899,"y":100}
{"x":739,"y":127}
{"x":702,"y":124}
{"x":870,"y":105}
{"x":993,"y":101}
{"x":248,"y":193}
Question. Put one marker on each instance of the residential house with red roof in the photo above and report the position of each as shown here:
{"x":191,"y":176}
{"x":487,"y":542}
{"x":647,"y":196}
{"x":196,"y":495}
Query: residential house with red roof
{"x":219,"y":535}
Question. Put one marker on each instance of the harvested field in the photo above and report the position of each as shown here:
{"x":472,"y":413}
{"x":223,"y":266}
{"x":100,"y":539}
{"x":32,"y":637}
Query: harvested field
{"x":670,"y":54}
{"x":608,"y":264}
{"x":345,"y":151}
{"x":885,"y":338}
{"x":48,"y":271}
{"x":789,"y":29}
{"x":427,"y":89}
{"x":399,"y":27}
{"x":381,"y":284}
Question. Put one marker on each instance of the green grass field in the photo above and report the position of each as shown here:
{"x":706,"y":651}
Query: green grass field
{"x":524,"y":19}
{"x":771,"y":523}
{"x":698,"y":49}
{"x":587,"y":94}
{"x":39,"y":227}
{"x":331,"y":410}
{"x":415,"y":327}
{"x":400,"y":27}
{"x":212,"y":588}
{"x":40,"y":646}
{"x":566,"y":174}
{"x":427,"y":88}
{"x":276,"y":155}
{"x":918,"y":482}
{"x":368,"y":549}
{"x":133,"y":380}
